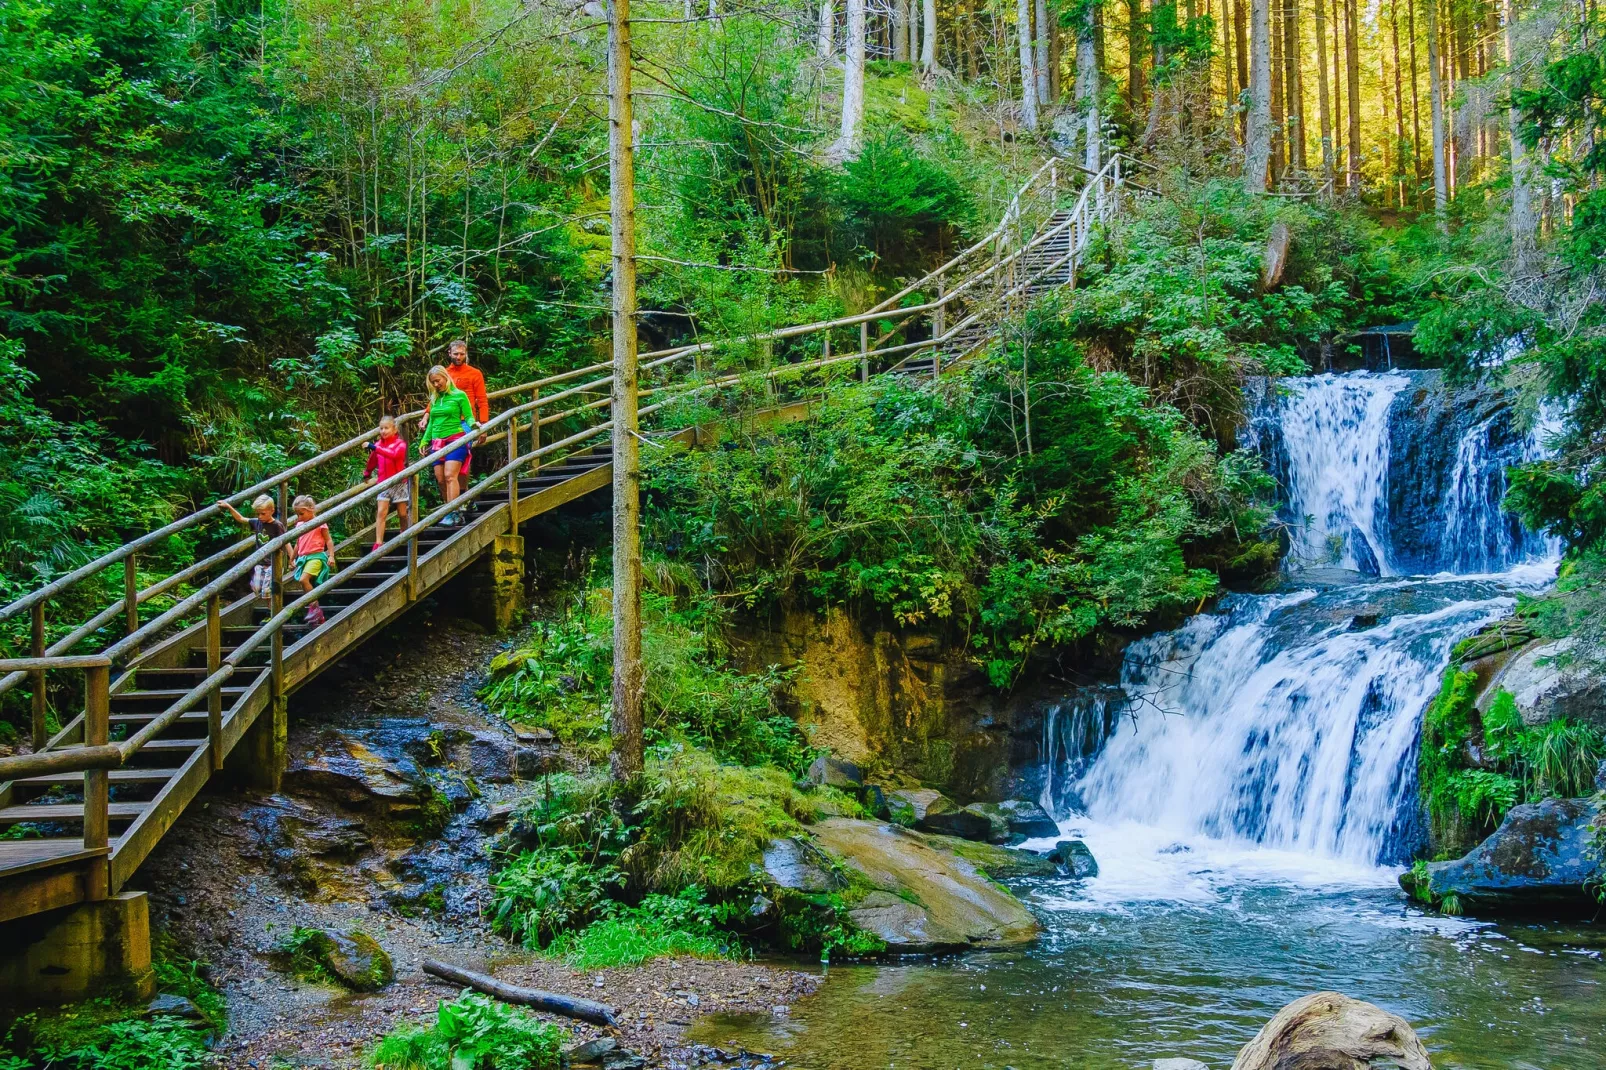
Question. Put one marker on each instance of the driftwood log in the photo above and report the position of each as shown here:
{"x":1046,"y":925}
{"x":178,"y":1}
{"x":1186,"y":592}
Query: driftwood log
{"x":1327,"y":1031}
{"x":586,"y":1010}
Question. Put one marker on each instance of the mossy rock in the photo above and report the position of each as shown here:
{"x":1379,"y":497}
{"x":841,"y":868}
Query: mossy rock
{"x":999,"y":863}
{"x":355,"y":959}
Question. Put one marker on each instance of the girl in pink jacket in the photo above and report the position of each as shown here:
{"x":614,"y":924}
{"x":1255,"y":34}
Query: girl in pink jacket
{"x":385,"y":458}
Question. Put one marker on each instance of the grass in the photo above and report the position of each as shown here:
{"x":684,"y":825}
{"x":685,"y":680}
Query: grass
{"x":660,"y":926}
{"x":473,"y":1032}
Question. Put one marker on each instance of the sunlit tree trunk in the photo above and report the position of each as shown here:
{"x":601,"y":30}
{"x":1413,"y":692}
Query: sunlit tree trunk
{"x":1352,"y":52}
{"x":1441,"y":175}
{"x":852,"y":81}
{"x":1240,"y":38}
{"x":1279,"y":106}
{"x":1257,"y":139}
{"x":1324,"y":107}
{"x":1524,"y":225}
{"x":1087,"y":87}
{"x":1028,"y":77}
{"x":825,"y":43}
{"x":1294,"y":81}
{"x":900,"y":31}
{"x":1416,"y":101}
{"x":1136,"y":47}
{"x":928,"y":43}
{"x":1339,"y":155}
{"x":629,"y":678}
{"x":1399,"y":102}
{"x":1040,"y":35}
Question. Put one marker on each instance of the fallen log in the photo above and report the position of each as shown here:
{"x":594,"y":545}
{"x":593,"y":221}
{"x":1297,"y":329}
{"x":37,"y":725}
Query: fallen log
{"x":586,"y":1010}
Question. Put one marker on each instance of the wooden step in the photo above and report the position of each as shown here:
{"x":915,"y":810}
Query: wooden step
{"x":20,"y":856}
{"x":189,"y":717}
{"x":29,"y":812}
{"x":116,"y":776}
{"x":167,"y":695}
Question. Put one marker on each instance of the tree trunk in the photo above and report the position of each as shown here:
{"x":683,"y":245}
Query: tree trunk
{"x":853,"y":81}
{"x":1441,"y":177}
{"x":1257,"y":139}
{"x":900,"y":31}
{"x":825,"y":44}
{"x":629,"y":678}
{"x":1226,"y":57}
{"x":1045,"y":97}
{"x":1294,"y":70}
{"x":1324,"y":107}
{"x":928,"y":43}
{"x":1353,"y":57}
{"x":1339,"y":154}
{"x":1416,"y":102}
{"x":1028,"y":77}
{"x":1136,"y":47}
{"x":1087,"y":87}
{"x":1240,"y":39}
{"x":1279,"y":106}
{"x":1399,"y":103}
{"x":1523,"y":222}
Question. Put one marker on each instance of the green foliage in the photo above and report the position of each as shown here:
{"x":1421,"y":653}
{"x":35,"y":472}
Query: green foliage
{"x":473,"y":1032}
{"x":893,"y":198}
{"x":543,"y":892}
{"x":1475,"y":766}
{"x":103,"y":1035}
{"x":659,"y":926}
{"x":302,"y":950}
{"x":181,"y":975}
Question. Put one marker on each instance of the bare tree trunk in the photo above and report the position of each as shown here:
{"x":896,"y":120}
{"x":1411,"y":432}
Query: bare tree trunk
{"x":1523,"y":222}
{"x":825,"y":44}
{"x":1294,"y":70}
{"x":1441,"y":177}
{"x":928,"y":43}
{"x":1416,"y":102}
{"x":1028,"y":77}
{"x":1399,"y":103}
{"x":1279,"y":106}
{"x":900,"y":31}
{"x":1324,"y":107}
{"x":629,"y":678}
{"x":1045,"y":97}
{"x":1136,"y":47}
{"x":1338,"y":93}
{"x":1087,"y":87}
{"x":1240,"y":39}
{"x":1352,"y":50}
{"x":853,"y":81}
{"x":1226,"y":55}
{"x":1257,"y":139}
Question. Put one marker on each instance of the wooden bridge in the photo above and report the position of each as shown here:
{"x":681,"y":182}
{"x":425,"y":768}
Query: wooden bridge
{"x":174,"y":697}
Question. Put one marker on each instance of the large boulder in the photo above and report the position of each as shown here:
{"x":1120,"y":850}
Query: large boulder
{"x":1557,"y":679}
{"x":1014,"y":820}
{"x":943,"y":901}
{"x":355,"y":959}
{"x":932,"y":811}
{"x":799,"y":866}
{"x":1076,"y":857}
{"x":1329,"y":1031}
{"x":1538,"y":861}
{"x":831,"y":772}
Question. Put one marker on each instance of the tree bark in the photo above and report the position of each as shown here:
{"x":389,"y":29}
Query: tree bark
{"x":928,"y":43}
{"x":629,"y":678}
{"x":1257,"y":139}
{"x":1524,"y":224}
{"x":1294,"y":71}
{"x":1240,"y":38}
{"x":1324,"y":107}
{"x":1416,"y":101}
{"x":550,"y":1002}
{"x":1028,"y":77}
{"x":1339,"y":152}
{"x":1045,"y":96}
{"x":1087,"y":88}
{"x":1441,"y":177}
{"x":1279,"y":106}
{"x":1399,"y":103}
{"x":825,"y":43}
{"x":1352,"y":50}
{"x":1227,"y":66}
{"x":1136,"y":48}
{"x":853,"y":81}
{"x":900,"y":31}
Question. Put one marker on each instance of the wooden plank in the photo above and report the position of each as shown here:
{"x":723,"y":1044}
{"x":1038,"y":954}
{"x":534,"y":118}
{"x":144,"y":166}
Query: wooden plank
{"x":549,"y":498}
{"x":22,"y":856}
{"x":169,"y":694}
{"x":116,"y":776}
{"x":55,"y":886}
{"x":12,"y":815}
{"x":141,"y":838}
{"x":243,"y":714}
{"x":192,"y":717}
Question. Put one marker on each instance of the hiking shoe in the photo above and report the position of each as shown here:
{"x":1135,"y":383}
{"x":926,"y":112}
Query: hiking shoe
{"x":315,"y":615}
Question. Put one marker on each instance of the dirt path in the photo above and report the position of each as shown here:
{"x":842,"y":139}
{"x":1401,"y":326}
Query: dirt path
{"x":350,"y":843}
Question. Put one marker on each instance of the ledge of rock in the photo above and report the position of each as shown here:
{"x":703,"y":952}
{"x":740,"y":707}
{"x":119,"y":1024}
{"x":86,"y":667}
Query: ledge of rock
{"x":931,"y":899}
{"x":1557,"y":679}
{"x":1537,"y":861}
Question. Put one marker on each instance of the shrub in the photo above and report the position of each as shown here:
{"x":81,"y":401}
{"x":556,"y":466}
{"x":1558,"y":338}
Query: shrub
{"x":473,"y":1032}
{"x":541,"y":893}
{"x":660,"y":925}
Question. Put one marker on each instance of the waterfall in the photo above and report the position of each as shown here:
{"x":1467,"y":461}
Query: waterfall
{"x":1335,"y":439}
{"x":1291,"y":720}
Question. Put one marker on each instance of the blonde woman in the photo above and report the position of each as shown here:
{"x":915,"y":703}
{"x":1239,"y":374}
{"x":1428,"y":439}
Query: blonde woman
{"x":450,"y":416}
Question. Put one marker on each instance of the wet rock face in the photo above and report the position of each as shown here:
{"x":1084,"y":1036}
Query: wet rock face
{"x":797,"y":865}
{"x":1539,"y":860}
{"x":1551,"y":680}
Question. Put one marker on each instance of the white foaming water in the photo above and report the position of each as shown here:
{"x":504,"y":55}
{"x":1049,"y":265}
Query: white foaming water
{"x":1336,"y":433}
{"x":1275,"y":739}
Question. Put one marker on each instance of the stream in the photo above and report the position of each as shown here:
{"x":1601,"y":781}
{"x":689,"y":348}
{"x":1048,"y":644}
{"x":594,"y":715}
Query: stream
{"x":1252,"y":799}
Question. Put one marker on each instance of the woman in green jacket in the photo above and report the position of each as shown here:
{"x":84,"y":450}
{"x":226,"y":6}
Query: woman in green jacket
{"x":449,"y":417}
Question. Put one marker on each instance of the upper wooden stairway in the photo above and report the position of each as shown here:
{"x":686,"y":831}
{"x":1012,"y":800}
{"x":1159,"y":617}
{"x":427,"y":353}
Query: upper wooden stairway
{"x":186,"y":666}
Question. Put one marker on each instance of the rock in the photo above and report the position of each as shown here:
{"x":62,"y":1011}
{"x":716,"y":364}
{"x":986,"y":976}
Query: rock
{"x":910,"y":805}
{"x":1016,"y":818}
{"x":348,"y":771}
{"x":497,"y":815}
{"x":591,"y":1052}
{"x":355,"y":958}
{"x":964,"y":823}
{"x":509,"y":662}
{"x":623,"y":1060}
{"x":167,"y":1005}
{"x":955,"y":897}
{"x":830,"y":772}
{"x":534,"y":761}
{"x":903,"y":925}
{"x":1179,"y":1064}
{"x":1537,"y":861}
{"x":1077,"y":859}
{"x":1328,"y":1031}
{"x":1358,"y":623}
{"x":799,"y":866}
{"x":1546,"y":691}
{"x":932,"y":811}
{"x":874,"y":801}
{"x":761,"y":907}
{"x":998,"y":862}
{"x":526,"y":733}
{"x":1600,"y":777}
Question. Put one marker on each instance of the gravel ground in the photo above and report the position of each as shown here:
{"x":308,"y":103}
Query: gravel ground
{"x":218,"y":893}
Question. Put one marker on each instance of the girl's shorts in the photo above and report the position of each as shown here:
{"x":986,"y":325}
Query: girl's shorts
{"x":460,"y":455}
{"x":401,"y":492}
{"x":313,"y":567}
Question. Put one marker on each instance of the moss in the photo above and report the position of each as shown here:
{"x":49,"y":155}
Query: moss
{"x":997,"y":863}
{"x":434,"y":813}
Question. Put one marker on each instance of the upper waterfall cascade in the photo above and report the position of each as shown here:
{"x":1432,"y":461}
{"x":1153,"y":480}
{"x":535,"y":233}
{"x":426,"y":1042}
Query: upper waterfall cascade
{"x":1291,"y":720}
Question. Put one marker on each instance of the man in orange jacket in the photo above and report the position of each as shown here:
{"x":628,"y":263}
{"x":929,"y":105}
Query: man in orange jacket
{"x":470,"y":381}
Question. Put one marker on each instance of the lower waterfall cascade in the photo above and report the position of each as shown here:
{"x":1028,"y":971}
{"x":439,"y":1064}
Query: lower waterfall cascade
{"x":1290,"y":720}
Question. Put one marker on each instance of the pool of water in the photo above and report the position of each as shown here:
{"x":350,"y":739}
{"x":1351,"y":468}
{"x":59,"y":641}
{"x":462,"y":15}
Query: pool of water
{"x":1185,"y":948}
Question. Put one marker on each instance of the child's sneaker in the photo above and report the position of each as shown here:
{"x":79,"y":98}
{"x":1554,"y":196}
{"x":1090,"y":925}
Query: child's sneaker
{"x":377,"y":545}
{"x":315,"y":615}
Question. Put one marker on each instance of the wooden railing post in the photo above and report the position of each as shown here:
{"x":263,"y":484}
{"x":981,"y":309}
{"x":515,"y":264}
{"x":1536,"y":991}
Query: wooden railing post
{"x":41,"y":733}
{"x":276,"y":643}
{"x":535,"y":427}
{"x":97,"y":818}
{"x":864,"y":352}
{"x":214,"y":662}
{"x":131,"y":594}
{"x":412,"y":543}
